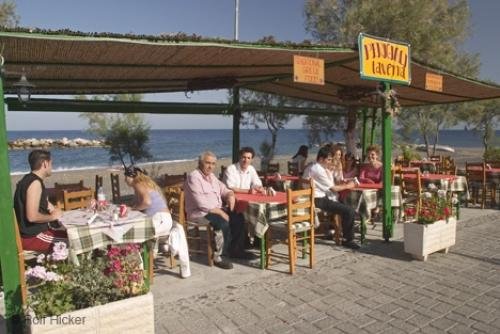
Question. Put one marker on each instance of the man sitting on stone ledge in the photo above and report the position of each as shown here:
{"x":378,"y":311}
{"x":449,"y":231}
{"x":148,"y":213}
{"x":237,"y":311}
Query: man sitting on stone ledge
{"x":36,"y":216}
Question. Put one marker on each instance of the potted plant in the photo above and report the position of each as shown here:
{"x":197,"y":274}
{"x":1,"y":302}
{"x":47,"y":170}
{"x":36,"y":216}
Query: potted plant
{"x":103,"y":294}
{"x":432,"y":229}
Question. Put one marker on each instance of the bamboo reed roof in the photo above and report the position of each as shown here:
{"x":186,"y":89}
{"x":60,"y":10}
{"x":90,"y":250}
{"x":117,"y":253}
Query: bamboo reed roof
{"x":72,"y":63}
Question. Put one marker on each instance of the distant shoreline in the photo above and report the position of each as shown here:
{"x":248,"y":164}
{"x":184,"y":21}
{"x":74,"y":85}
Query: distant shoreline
{"x":87,"y":174}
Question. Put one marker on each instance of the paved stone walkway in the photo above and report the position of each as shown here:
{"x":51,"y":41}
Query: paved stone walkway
{"x":379,"y":289}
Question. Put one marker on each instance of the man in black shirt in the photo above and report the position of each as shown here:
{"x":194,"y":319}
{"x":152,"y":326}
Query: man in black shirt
{"x":33,"y":210}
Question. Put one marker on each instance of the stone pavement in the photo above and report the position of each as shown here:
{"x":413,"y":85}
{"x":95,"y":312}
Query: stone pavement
{"x":378,"y":289}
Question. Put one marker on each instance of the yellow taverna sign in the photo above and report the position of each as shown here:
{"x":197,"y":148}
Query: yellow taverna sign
{"x":384,"y":60}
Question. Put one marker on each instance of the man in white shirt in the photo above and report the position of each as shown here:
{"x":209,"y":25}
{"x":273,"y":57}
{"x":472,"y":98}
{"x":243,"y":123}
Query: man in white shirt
{"x":241,"y":177}
{"x":326,"y":195}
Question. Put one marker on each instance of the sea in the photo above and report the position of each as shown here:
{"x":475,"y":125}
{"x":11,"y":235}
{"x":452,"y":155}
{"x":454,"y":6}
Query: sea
{"x":183,"y":145}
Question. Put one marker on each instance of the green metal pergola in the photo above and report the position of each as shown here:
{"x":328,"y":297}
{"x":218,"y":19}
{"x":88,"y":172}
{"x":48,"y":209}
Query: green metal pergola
{"x":73,"y":63}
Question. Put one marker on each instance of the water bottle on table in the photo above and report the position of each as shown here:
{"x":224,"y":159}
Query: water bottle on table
{"x":101,"y":199}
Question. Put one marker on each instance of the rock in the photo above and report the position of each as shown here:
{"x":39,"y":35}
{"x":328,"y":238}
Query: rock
{"x":32,"y":143}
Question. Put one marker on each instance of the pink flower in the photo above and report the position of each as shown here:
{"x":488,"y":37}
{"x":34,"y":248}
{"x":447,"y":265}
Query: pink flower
{"x":113,"y":251}
{"x":116,"y":265}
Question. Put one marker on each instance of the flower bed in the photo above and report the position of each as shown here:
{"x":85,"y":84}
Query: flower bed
{"x":58,"y":287}
{"x":432,"y":229}
{"x":434,"y":207}
{"x":420,"y":240}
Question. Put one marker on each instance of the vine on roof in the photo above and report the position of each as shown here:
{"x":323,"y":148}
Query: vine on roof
{"x":170,"y":37}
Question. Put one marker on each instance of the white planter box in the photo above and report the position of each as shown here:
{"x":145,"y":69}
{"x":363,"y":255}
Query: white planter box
{"x":131,"y":315}
{"x":421,"y":240}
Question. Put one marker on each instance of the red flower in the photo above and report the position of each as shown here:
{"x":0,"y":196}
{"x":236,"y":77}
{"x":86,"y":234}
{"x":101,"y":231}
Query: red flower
{"x":447,"y":211}
{"x":116,"y":265}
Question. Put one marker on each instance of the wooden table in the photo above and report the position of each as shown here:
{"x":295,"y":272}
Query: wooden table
{"x":364,"y":198}
{"x":84,"y":237}
{"x":259,"y":210}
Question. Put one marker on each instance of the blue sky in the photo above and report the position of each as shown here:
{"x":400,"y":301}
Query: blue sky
{"x":212,"y":18}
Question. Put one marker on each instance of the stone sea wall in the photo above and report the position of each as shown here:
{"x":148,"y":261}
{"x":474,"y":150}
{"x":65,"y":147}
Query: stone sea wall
{"x":33,"y":143}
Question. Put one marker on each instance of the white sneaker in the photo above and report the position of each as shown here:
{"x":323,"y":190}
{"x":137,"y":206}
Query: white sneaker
{"x":185,"y":270}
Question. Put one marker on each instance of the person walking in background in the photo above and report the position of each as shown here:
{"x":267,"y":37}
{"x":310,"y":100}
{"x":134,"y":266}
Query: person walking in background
{"x":36,"y":216}
{"x":371,"y":172}
{"x":208,"y":199}
{"x":150,"y":200}
{"x":301,"y":157}
{"x":241,"y":177}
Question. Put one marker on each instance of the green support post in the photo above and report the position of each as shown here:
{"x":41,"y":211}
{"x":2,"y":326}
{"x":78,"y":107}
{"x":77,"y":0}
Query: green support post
{"x":236,"y":124}
{"x":374,"y":125}
{"x":147,"y":258}
{"x":386,"y":155}
{"x":8,"y":247}
{"x":364,"y":141}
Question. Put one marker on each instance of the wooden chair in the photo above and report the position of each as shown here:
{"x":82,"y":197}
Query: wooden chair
{"x":325,"y":221}
{"x":174,"y":180}
{"x":401,"y":161}
{"x":115,"y":188}
{"x":438,"y":159}
{"x":194,"y":234}
{"x":475,"y":172}
{"x":77,"y":199}
{"x":69,"y":186}
{"x":60,"y":187}
{"x":448,"y":167}
{"x":397,"y":175}
{"x":293,"y":168}
{"x":98,"y":184}
{"x":494,"y":187}
{"x":273,"y":168}
{"x":297,"y":229}
{"x":411,"y":188}
{"x":222,"y":172}
{"x":22,"y":256}
{"x":175,"y":202}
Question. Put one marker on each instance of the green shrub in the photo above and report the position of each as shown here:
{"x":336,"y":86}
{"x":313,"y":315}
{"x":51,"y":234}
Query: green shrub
{"x":492,"y":154}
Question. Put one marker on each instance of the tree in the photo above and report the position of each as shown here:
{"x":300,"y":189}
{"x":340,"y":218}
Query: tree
{"x":272,"y":120}
{"x":485,"y":118}
{"x":8,"y":16}
{"x":125,"y":134}
{"x":435,"y":30}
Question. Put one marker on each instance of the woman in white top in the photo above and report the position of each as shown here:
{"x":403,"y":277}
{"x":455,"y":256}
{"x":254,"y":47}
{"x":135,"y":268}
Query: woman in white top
{"x":150,"y":200}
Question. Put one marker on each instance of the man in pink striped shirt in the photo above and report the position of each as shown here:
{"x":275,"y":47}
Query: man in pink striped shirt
{"x":207,"y":198}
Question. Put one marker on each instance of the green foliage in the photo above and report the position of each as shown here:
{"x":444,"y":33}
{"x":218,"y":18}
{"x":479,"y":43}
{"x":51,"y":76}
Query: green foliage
{"x":266,"y":151}
{"x":321,"y":129}
{"x":435,"y":30}
{"x":484,"y":116}
{"x":260,"y":116}
{"x":492,"y":154}
{"x":8,"y":16}
{"x":409,"y":153}
{"x":91,"y":286}
{"x":57,"y":286}
{"x":52,"y":299}
{"x":125,"y":134}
